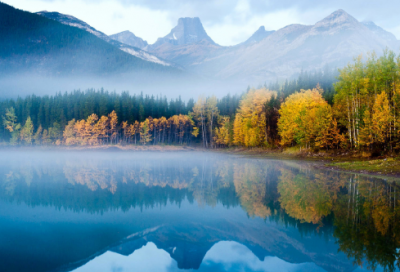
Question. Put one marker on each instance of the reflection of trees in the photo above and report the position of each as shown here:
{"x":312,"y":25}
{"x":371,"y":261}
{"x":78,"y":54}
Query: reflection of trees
{"x":88,"y":175}
{"x":250,"y":179}
{"x":308,"y":197}
{"x":367,"y":222}
{"x":9,"y":183}
{"x":364,"y":210}
{"x":98,"y":185}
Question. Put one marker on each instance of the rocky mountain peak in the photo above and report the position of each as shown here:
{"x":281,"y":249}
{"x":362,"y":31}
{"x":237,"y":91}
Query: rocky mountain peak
{"x":338,"y":19}
{"x":187,"y":31}
{"x":129,"y":38}
{"x":259,"y":35}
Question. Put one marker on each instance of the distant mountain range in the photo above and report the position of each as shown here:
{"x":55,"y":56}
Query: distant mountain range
{"x":268,"y":55}
{"x":131,"y":46}
{"x":55,"y":43}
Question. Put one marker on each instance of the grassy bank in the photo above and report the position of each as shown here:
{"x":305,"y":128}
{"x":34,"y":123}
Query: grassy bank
{"x":352,"y":161}
{"x":387,"y":166}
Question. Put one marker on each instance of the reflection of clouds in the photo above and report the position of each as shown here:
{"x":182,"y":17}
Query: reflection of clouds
{"x":223,"y":256}
{"x":233,"y":256}
{"x":148,"y":258}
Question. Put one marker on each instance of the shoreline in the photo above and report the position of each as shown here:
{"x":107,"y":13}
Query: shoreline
{"x":108,"y":148}
{"x":351,"y":162}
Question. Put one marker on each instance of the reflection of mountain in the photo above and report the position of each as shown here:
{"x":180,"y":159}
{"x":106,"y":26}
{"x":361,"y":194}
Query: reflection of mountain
{"x":188,"y":244}
{"x":223,"y":256}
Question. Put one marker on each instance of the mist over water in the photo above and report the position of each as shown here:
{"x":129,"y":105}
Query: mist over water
{"x":174,"y":211}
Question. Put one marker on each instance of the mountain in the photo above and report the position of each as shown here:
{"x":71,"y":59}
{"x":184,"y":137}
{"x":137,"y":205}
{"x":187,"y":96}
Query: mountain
{"x":127,"y":37}
{"x":188,"y":31}
{"x":187,"y":43}
{"x":333,"y":41}
{"x":258,"y":36}
{"x":72,"y":21}
{"x":35,"y":44}
{"x":377,"y":30}
{"x":128,"y":48}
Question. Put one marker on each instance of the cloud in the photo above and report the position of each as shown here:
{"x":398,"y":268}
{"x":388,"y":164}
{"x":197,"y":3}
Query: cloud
{"x":226,"y":21}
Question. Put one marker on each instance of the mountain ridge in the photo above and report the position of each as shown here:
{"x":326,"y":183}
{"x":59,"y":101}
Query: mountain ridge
{"x":257,"y":36}
{"x":75,"y":22}
{"x":129,"y":38}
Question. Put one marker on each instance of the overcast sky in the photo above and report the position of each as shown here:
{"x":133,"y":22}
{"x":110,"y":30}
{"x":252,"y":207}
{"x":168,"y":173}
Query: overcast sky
{"x":227,"y":22}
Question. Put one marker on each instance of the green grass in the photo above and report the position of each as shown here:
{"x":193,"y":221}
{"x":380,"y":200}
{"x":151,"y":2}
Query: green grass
{"x":381,"y":166}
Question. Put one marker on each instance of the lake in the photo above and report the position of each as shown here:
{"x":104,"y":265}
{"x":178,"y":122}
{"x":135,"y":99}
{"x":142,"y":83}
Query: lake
{"x":191,"y":211}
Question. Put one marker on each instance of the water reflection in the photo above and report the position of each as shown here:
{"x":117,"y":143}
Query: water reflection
{"x":184,"y":209}
{"x":223,"y":256}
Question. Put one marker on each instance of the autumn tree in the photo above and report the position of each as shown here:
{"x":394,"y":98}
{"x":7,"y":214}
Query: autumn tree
{"x":113,"y":121}
{"x":38,"y":135}
{"x":145,"y":135}
{"x":200,"y":114}
{"x":69,"y":133}
{"x":305,"y":119}
{"x":27,"y":131}
{"x":10,"y":124}
{"x":212,"y":113}
{"x":249,"y":127}
{"x":223,"y":133}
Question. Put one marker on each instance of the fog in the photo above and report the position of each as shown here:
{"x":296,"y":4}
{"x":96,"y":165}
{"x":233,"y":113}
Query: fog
{"x":172,"y":86}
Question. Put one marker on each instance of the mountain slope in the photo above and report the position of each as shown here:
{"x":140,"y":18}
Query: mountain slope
{"x":33,"y":43}
{"x":75,"y":22}
{"x":379,"y":31}
{"x":129,"y":38}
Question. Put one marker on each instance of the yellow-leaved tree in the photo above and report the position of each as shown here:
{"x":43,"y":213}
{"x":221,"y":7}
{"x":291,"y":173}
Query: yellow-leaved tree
{"x":223,"y":135}
{"x":249,"y":126}
{"x":306,"y":119}
{"x":145,"y":135}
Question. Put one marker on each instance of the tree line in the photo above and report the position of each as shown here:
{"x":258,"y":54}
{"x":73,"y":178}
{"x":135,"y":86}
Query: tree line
{"x":363,"y":114}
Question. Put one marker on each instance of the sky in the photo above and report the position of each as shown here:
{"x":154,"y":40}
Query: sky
{"x":227,"y":22}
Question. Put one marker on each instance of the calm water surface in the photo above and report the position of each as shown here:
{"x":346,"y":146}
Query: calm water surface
{"x":117,"y":211}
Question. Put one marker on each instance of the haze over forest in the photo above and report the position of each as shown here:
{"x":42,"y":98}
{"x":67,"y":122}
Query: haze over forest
{"x":48,"y":52}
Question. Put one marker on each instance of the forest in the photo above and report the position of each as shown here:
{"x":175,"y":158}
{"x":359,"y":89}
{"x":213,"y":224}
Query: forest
{"x":356,"y":108}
